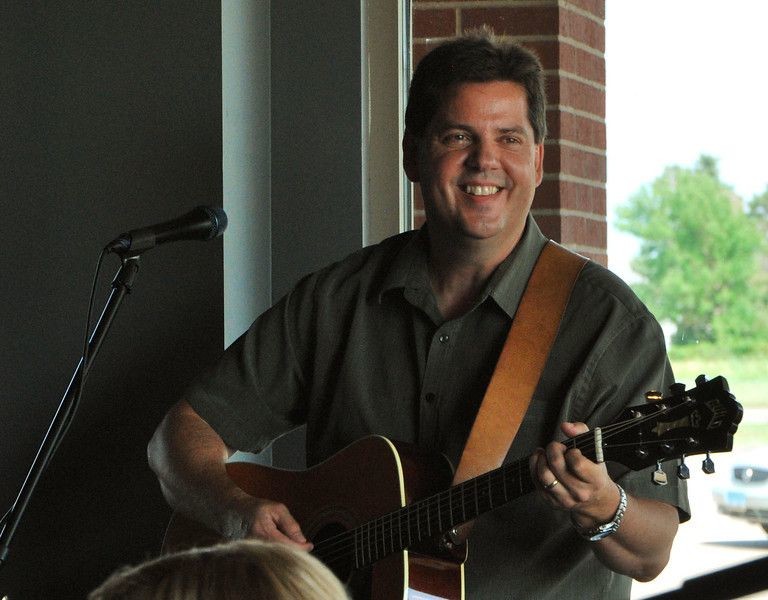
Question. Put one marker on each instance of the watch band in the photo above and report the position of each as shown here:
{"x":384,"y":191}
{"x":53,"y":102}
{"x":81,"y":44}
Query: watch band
{"x":599,"y":532}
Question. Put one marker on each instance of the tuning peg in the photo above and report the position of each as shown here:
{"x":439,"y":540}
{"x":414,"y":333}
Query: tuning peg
{"x":708,"y":465}
{"x":683,"y":472}
{"x":677,"y":389}
{"x":653,"y":396}
{"x":701,"y":379}
{"x":659,"y":476}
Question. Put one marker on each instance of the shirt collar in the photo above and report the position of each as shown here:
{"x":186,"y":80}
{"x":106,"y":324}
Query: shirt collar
{"x":409,"y":269}
{"x":510,"y":278}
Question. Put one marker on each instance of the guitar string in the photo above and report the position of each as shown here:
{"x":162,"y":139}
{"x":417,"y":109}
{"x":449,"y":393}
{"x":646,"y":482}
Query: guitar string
{"x":435,"y":507}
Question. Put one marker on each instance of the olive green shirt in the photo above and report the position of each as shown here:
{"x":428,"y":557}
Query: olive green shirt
{"x":360,"y":347}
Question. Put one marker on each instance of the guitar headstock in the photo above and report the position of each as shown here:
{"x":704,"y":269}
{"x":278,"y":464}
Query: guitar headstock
{"x":700,"y":420}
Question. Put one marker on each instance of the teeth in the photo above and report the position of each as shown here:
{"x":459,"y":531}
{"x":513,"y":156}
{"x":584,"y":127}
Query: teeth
{"x":481,"y":190}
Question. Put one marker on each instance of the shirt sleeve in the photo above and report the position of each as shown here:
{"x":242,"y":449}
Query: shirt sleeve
{"x":633,"y":362}
{"x":256,"y":391}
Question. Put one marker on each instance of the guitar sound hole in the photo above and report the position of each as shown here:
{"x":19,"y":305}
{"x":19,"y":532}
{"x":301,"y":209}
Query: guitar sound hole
{"x":335,"y":549}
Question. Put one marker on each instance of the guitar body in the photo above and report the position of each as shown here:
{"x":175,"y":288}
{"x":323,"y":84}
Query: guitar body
{"x":370,"y":478}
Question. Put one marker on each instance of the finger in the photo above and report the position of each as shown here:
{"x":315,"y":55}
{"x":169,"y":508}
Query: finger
{"x":540,"y":469}
{"x":555,"y":459}
{"x":289,"y":527}
{"x":275,"y":523}
{"x":533,"y":463}
{"x":572,"y":429}
{"x":544,"y":478}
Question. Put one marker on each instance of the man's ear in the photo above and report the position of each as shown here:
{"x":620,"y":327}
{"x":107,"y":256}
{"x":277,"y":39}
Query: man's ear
{"x":539,"y":163}
{"x":411,"y":156}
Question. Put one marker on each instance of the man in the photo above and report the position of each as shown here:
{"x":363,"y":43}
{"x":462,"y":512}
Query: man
{"x":400,"y":339}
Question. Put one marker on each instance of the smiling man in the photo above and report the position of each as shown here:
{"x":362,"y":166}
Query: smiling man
{"x":400,"y":339}
{"x":479,"y":163}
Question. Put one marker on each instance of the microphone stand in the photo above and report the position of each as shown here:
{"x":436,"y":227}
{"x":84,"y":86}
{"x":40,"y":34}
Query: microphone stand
{"x":121,"y":285}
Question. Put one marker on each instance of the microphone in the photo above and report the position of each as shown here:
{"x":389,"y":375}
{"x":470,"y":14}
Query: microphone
{"x":202,"y":223}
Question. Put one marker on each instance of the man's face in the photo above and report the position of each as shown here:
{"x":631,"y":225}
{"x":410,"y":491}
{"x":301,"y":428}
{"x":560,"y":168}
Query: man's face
{"x":478,"y":164}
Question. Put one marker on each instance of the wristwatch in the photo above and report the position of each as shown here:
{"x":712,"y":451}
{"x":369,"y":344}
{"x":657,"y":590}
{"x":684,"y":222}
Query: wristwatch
{"x":596,"y":534}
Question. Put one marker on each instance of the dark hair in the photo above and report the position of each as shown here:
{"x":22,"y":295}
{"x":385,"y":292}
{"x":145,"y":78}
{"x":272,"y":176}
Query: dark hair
{"x":475,"y":58}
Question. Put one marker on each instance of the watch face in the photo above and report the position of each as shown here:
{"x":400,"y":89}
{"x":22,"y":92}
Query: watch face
{"x":605,"y":531}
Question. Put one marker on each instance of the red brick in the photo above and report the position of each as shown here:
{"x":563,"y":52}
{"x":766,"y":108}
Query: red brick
{"x":575,"y":161}
{"x":571,"y":195}
{"x":576,"y":94}
{"x":582,"y":29}
{"x":513,"y":20}
{"x":575,"y":128}
{"x":594,"y":7}
{"x":431,"y":23}
{"x":548,"y":52}
{"x":550,"y":226}
{"x":582,"y":63}
{"x":574,"y":230}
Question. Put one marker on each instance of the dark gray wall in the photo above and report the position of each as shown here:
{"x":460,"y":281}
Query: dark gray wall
{"x":316,"y":136}
{"x":316,"y":155}
{"x":110,"y":119}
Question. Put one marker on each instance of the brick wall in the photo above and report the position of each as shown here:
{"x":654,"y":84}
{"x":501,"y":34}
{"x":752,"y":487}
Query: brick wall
{"x":569,"y":38}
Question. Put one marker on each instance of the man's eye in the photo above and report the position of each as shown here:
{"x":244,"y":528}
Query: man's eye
{"x":455,"y":140}
{"x":512,"y":140}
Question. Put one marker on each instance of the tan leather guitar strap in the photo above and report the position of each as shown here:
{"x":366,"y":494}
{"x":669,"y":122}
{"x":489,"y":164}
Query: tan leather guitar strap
{"x":521,"y":361}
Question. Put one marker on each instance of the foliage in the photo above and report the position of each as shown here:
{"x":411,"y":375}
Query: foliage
{"x":698,"y":259}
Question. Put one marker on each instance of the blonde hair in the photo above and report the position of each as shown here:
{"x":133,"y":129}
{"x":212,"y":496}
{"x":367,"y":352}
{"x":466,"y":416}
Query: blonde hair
{"x":240,"y":570}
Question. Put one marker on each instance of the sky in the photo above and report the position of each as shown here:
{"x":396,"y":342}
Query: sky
{"x":683,"y":78}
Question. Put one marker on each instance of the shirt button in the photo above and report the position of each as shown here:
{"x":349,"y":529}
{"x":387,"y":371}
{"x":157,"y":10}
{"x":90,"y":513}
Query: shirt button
{"x":443,"y":338}
{"x":429,"y":398}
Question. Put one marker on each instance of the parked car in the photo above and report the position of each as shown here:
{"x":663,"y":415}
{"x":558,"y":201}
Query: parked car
{"x":745,"y":494}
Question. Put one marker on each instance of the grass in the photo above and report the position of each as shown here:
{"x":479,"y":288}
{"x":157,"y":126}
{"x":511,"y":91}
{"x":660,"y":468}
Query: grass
{"x":747,"y":378}
{"x":747,"y":375}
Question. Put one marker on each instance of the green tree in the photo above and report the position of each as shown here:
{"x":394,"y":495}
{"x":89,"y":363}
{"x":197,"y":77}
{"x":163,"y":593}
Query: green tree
{"x":758,"y":214}
{"x":697,"y":259}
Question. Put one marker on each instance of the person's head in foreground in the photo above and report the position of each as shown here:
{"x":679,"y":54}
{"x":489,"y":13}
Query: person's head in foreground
{"x":233,"y":571}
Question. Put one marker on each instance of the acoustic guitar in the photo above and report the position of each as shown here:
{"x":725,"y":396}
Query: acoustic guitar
{"x":377,"y":511}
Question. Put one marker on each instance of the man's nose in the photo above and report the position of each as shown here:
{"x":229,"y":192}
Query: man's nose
{"x":483,"y":155}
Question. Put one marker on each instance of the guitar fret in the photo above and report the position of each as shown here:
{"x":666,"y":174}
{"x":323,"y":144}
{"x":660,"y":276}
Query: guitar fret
{"x":370,"y":552}
{"x":392,"y":533}
{"x":408,"y":523}
{"x":356,"y":534}
{"x":463,"y":504}
{"x":383,"y":531}
{"x":504,"y":484}
{"x":418,"y":522}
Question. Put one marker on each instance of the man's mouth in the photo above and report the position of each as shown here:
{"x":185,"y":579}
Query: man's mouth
{"x":480,"y":190}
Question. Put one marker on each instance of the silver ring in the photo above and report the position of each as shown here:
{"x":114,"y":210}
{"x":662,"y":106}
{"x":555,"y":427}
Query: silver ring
{"x":549,"y":486}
